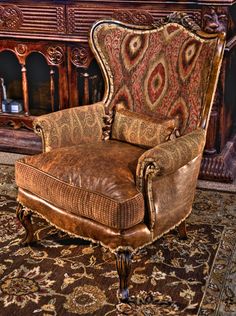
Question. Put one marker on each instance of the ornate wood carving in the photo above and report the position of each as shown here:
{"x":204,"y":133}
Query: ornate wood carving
{"x":81,"y":56}
{"x":196,"y":16}
{"x":55,"y":55}
{"x":11,"y":17}
{"x":21,"y":49}
{"x":71,"y":20}
{"x":60,"y":20}
{"x":143,"y":17}
{"x":137,"y":17}
{"x":180,"y":18}
{"x":32,"y":18}
{"x":215,"y":19}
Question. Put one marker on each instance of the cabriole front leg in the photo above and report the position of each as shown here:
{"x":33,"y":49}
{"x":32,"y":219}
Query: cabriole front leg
{"x":123,"y":265}
{"x":24,"y":216}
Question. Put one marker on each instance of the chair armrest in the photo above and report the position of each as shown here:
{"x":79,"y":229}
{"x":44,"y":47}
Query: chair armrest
{"x":71,"y":126}
{"x":168,"y":157}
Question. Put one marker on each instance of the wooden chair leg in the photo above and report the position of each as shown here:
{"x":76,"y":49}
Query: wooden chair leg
{"x":123,"y":265}
{"x":182,"y":230}
{"x":24,"y":216}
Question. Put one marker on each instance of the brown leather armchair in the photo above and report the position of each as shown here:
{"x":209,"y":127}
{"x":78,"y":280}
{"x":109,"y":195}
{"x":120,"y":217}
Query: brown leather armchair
{"x":123,"y":171}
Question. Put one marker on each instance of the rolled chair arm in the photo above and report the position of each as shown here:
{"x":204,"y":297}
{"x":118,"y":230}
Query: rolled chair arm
{"x":168,"y":157}
{"x":71,"y":126}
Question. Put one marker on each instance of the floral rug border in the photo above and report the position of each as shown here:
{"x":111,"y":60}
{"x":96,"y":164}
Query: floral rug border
{"x":215,"y":288}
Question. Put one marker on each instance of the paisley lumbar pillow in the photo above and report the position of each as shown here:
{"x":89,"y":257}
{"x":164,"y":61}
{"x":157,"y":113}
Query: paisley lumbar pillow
{"x":142,"y":130}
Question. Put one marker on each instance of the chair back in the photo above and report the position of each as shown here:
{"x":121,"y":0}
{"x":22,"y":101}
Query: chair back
{"x":165,"y":71}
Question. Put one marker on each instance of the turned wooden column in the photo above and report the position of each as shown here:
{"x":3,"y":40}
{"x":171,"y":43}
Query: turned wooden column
{"x":25,"y":89}
{"x":79,"y":60}
{"x":85,"y":75}
{"x":52,"y":88}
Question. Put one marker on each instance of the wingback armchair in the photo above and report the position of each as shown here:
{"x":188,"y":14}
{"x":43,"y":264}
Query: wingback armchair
{"x":123,"y":171}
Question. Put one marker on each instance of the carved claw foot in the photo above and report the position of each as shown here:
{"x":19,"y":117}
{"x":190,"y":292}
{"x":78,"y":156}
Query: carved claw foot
{"x":123,"y":265}
{"x":182,"y":231}
{"x":24,"y":216}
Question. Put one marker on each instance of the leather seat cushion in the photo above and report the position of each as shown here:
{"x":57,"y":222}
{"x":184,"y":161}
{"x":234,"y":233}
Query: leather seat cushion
{"x":96,"y":181}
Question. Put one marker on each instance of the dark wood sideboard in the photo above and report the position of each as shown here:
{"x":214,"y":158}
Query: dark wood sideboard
{"x":46,"y":66}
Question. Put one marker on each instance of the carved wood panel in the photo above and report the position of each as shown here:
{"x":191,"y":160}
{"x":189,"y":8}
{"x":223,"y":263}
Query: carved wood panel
{"x":11,"y":17}
{"x":55,"y":56}
{"x":53,"y":52}
{"x":215,"y":19}
{"x":38,"y":19}
{"x":81,"y":18}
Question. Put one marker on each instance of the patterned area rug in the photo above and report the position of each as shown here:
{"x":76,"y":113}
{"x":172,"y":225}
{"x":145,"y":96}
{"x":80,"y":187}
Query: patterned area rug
{"x":61,"y":275}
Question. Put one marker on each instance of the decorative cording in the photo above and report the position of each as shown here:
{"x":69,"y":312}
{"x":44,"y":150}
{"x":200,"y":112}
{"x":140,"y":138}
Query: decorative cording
{"x":108,"y":120}
{"x":73,"y":235}
{"x":150,"y":172}
{"x":39,"y":131}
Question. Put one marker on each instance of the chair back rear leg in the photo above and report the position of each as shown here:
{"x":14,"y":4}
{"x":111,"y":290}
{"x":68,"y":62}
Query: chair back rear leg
{"x":182,"y":230}
{"x":123,"y":265}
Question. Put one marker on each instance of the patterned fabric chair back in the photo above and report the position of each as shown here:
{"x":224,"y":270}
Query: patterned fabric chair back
{"x":159,"y":71}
